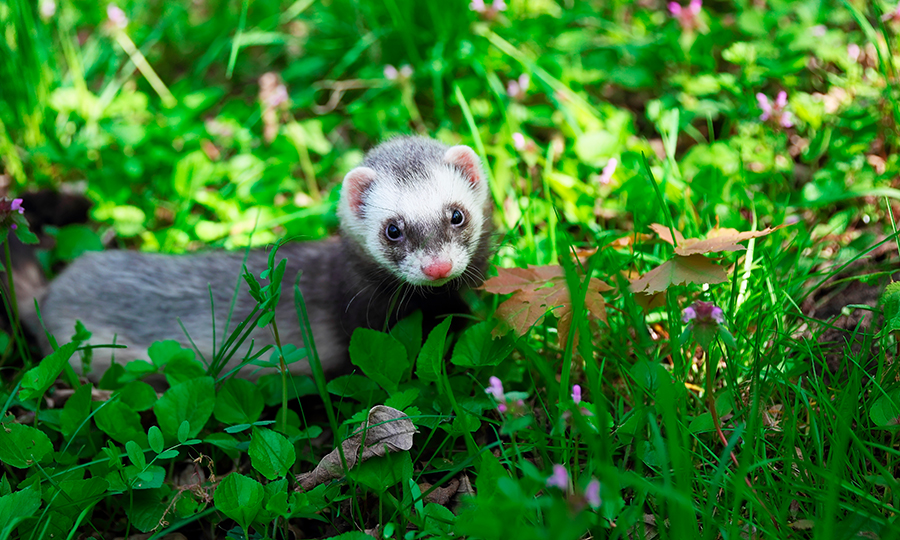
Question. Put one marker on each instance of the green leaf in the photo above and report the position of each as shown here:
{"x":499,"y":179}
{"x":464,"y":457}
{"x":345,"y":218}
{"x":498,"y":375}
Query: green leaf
{"x":17,"y":506}
{"x":138,"y":395}
{"x":76,"y":411}
{"x":478,"y":348}
{"x":120,"y":422}
{"x":383,"y":472}
{"x":22,"y":446}
{"x":890,"y":299}
{"x":362,"y":389}
{"x":74,"y":240}
{"x":885,"y":411}
{"x":227,"y":443}
{"x":163,"y":352}
{"x":408,"y":331}
{"x":184,"y":431}
{"x":192,"y":401}
{"x":438,"y":520}
{"x":240,"y":498}
{"x":37,"y":380}
{"x":270,"y":453}
{"x":239,"y":402}
{"x":155,"y":438}
{"x":135,"y":454}
{"x":150,"y":477}
{"x":431,"y":357}
{"x":380,"y":356}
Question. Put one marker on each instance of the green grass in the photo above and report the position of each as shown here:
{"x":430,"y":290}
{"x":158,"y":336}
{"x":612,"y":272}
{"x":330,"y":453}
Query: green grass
{"x":171,"y":144}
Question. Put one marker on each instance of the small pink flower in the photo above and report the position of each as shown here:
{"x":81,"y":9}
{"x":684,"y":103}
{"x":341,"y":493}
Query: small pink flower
{"x":818,"y":30}
{"x":478,"y":6}
{"x":390,"y":72}
{"x":496,"y":389}
{"x":116,"y":16}
{"x":516,"y":89}
{"x":498,"y":5}
{"x":893,"y":16}
{"x":278,"y":96}
{"x":16,"y":204}
{"x":703,"y":313}
{"x":518,"y":141}
{"x":592,"y":493}
{"x":406,"y":71}
{"x":13,"y":226}
{"x":576,"y":393}
{"x":853,"y":51}
{"x":608,"y":171}
{"x":775,"y":111}
{"x":47,"y":8}
{"x":559,"y":478}
{"x":687,"y":16}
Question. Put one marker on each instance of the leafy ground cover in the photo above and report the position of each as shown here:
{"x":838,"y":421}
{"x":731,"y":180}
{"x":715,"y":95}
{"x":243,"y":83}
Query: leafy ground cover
{"x":689,"y":332}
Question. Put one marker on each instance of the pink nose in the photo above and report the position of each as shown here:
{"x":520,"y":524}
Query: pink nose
{"x":438,"y":269}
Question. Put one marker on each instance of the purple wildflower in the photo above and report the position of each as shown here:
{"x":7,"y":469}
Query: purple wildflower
{"x":518,"y":141}
{"x":687,"y":16}
{"x":16,"y":204}
{"x":516,"y":89}
{"x":47,"y":8}
{"x":775,"y":111}
{"x":608,"y":170}
{"x":576,"y":393}
{"x":592,"y":493}
{"x":496,"y":389}
{"x":559,"y":478}
{"x":116,"y":16}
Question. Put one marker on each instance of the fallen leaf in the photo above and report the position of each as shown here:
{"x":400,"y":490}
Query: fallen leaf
{"x":385,"y":430}
{"x":679,"y":271}
{"x":537,"y":290}
{"x":717,"y":240}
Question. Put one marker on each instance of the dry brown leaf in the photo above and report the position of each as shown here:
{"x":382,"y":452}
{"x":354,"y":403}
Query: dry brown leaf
{"x":535,"y":291}
{"x":678,"y":271}
{"x":385,"y":430}
{"x":717,"y":240}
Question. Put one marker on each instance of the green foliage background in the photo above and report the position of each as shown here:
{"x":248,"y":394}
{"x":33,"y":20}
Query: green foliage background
{"x":162,"y":123}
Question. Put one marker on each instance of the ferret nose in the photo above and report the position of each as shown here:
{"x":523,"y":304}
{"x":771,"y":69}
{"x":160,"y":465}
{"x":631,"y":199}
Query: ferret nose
{"x":437,"y":269}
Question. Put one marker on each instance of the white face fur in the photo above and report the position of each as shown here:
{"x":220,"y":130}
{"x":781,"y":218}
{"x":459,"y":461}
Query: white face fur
{"x":423,"y":230}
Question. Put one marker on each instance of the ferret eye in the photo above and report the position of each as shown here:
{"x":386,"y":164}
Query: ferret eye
{"x":393,"y":233}
{"x":457,"y":218}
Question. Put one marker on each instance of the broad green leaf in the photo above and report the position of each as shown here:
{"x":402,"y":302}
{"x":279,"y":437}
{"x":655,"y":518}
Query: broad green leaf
{"x":155,"y":438}
{"x":192,"y":401}
{"x":270,"y":453}
{"x":135,"y":454}
{"x":239,"y":402}
{"x":885,"y":411}
{"x":17,"y":506}
{"x":120,"y":422}
{"x":37,"y":380}
{"x":75,"y":412}
{"x":381,"y":357}
{"x":138,"y":395}
{"x":362,"y":389}
{"x":163,"y":352}
{"x":146,"y":507}
{"x":431,"y":356}
{"x":240,"y":498}
{"x":477,"y":347}
{"x":22,"y":446}
{"x":381,"y":473}
{"x":408,"y":331}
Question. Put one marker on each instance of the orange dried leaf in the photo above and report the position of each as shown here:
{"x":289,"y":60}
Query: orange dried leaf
{"x":678,"y":271}
{"x":537,"y":290}
{"x":665,"y":234}
{"x":720,"y":240}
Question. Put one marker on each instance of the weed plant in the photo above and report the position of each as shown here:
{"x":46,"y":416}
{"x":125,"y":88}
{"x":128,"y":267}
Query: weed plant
{"x":747,"y":393}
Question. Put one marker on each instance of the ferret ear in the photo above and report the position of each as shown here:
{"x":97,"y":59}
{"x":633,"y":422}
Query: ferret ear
{"x":356,"y":184}
{"x":466,"y":161}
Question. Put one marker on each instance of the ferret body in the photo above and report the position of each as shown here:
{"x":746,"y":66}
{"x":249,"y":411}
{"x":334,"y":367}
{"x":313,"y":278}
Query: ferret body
{"x":415,"y":220}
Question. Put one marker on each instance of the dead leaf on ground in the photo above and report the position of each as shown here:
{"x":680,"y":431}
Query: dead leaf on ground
{"x":717,"y":240}
{"x":385,"y":430}
{"x":535,"y":291}
{"x":679,"y":271}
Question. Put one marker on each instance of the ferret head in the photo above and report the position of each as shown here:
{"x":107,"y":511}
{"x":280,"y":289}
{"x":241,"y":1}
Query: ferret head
{"x":418,"y":208}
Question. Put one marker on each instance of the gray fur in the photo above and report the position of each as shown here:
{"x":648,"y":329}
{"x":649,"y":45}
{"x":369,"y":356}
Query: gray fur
{"x":135,"y":299}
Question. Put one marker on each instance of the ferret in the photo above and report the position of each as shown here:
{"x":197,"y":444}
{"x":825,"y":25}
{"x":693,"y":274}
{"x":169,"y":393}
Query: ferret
{"x":415,"y":223}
